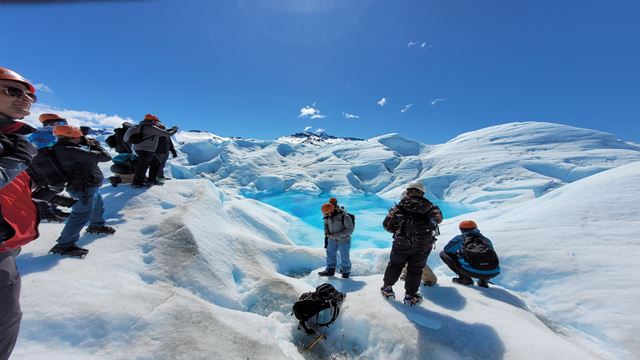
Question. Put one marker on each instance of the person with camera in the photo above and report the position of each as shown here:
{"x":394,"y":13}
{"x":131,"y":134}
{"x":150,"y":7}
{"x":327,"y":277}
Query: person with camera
{"x":412,"y":223}
{"x":145,"y":137}
{"x":18,"y":213}
{"x":79,"y":158}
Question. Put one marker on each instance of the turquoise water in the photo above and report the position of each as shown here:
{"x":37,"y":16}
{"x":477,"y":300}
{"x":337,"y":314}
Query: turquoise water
{"x":370,"y":211}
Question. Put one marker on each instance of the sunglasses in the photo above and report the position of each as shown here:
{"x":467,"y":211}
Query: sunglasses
{"x":17,"y":92}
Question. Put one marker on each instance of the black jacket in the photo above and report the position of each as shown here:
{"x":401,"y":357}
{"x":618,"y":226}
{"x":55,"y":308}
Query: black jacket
{"x":79,"y":164}
{"x":412,"y":222}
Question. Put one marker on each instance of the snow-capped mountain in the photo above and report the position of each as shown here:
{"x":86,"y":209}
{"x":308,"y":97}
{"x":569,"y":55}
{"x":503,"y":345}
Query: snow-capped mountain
{"x":500,"y":164}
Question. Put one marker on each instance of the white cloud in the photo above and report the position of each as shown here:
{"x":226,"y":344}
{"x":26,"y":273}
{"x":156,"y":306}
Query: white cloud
{"x":77,"y":117}
{"x":307,"y":128}
{"x":421,"y":44}
{"x":350,"y":116}
{"x":320,"y":131}
{"x":413,"y":43}
{"x":382,"y":101}
{"x":42,"y":87}
{"x":310,"y":112}
{"x":436,"y":101}
{"x":406,"y":108}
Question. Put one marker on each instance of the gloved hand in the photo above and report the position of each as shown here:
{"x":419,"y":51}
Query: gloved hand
{"x":63,"y":200}
{"x":174,"y":154}
{"x":18,"y":147}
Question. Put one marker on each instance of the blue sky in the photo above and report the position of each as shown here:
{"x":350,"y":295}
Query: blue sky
{"x":248,"y":67}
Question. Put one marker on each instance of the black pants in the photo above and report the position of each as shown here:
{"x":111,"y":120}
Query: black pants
{"x":10,"y":313}
{"x":415,"y":260}
{"x":452,"y":262}
{"x":163,"y":157}
{"x":146,"y":159}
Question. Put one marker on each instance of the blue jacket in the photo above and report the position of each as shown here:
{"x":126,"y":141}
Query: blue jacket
{"x":43,"y":137}
{"x":454,"y":246}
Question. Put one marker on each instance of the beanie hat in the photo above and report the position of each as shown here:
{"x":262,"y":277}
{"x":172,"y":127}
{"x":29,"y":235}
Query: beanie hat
{"x":67,"y":131}
{"x":467,"y":225}
{"x":327,"y":208}
{"x":48,"y":117}
{"x":417,"y":186}
{"x":333,"y":201}
{"x":151,"y":117}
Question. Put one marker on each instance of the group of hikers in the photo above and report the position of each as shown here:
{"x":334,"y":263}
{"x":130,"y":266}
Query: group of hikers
{"x":414,"y":224}
{"x":37,"y":165}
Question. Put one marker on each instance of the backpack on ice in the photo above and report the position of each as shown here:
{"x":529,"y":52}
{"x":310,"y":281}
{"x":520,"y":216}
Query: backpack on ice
{"x":477,"y":252}
{"x":312,"y":304}
{"x":45,"y":169}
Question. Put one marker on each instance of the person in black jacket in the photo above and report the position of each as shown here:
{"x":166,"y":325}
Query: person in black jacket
{"x":412,"y":223}
{"x":165,"y":146}
{"x":80,"y":166}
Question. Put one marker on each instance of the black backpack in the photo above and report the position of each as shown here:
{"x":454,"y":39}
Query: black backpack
{"x":417,"y":229}
{"x":477,"y":252}
{"x":45,"y":169}
{"x":353,"y":219}
{"x":111,"y":141}
{"x":136,"y":137}
{"x":310,"y":304}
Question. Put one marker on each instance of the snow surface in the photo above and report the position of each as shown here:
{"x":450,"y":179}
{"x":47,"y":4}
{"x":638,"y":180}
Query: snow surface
{"x":199,"y":271}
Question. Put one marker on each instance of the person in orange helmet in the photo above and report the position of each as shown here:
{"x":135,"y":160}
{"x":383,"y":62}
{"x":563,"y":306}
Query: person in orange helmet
{"x":18,"y":213}
{"x":78,"y":159}
{"x":471,"y":255}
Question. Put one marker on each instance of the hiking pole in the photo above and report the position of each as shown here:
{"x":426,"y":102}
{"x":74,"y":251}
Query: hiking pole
{"x":316,"y":341}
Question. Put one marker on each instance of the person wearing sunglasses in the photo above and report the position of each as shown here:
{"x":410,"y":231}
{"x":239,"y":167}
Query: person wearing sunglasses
{"x":18,"y":213}
{"x":43,"y":138}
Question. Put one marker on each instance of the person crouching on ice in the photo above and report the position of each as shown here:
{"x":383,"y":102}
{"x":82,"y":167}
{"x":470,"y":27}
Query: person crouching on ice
{"x":471,"y":255}
{"x":338,"y":227}
{"x":80,"y":166}
{"x":412,"y":223}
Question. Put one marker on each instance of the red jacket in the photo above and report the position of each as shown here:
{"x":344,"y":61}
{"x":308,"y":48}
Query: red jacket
{"x":18,"y":213}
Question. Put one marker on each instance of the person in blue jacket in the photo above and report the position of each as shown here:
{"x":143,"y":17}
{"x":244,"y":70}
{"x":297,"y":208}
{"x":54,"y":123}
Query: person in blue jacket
{"x":481,"y":263}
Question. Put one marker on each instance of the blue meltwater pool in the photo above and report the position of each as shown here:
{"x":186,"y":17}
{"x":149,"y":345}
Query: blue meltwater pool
{"x":370,"y":211}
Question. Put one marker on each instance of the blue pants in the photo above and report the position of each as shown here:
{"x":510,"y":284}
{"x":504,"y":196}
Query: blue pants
{"x":333,"y":246}
{"x":89,"y":208}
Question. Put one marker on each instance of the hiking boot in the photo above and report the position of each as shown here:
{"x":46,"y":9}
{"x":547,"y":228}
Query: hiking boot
{"x":327,"y":272}
{"x":115,"y":180}
{"x":345,"y":275}
{"x":412,"y":299}
{"x":483,"y":283}
{"x":73,"y":250}
{"x":387,"y":292}
{"x":101,"y":229}
{"x":429,"y":283}
{"x":160,"y":181}
{"x":61,"y":213}
{"x":462,"y":280}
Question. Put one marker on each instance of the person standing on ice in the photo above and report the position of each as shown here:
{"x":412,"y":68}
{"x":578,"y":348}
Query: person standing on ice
{"x":471,"y":255}
{"x":78,"y":159}
{"x":145,"y":137}
{"x":43,"y":138}
{"x":18,"y":213}
{"x":165,"y":146}
{"x":428,"y":277}
{"x":338,"y":227}
{"x":412,"y":223}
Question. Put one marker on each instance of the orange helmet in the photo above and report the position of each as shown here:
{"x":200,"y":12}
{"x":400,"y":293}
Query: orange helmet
{"x":48,"y":117}
{"x":67,"y":131}
{"x":333,"y":201}
{"x":151,"y":117}
{"x":6,"y":74}
{"x":467,"y":225}
{"x":327,"y":208}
